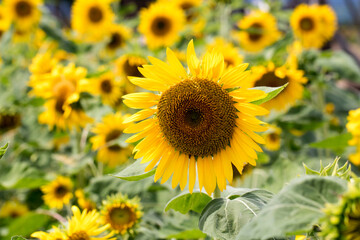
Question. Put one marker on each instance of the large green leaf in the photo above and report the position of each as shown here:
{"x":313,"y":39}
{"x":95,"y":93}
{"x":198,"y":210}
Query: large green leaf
{"x":186,"y":201}
{"x":295,"y":209}
{"x":223,"y":218}
{"x":337,"y":143}
{"x":271,"y":93}
{"x":135,"y":172}
{"x":27,"y":224}
{"x":3,"y":150}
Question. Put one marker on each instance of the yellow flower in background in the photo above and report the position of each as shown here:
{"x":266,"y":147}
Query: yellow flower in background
{"x":86,"y":225}
{"x":106,"y":86}
{"x":83,"y":201}
{"x":294,"y":50}
{"x":353,"y":126}
{"x":9,"y":120}
{"x":58,"y":192}
{"x":232,"y":57}
{"x":161,"y":24}
{"x":42,"y":63}
{"x":13,"y":209}
{"x":329,"y":108}
{"x":5,"y":20}
{"x":257,"y":31}
{"x":25,"y":13}
{"x":300,"y":237}
{"x":314,"y":25}
{"x":121,"y":213}
{"x":109,"y":129}
{"x":92,"y":19}
{"x":272,"y":76}
{"x":272,"y":138}
{"x":119,"y":34}
{"x":54,"y":234}
{"x":194,"y":120}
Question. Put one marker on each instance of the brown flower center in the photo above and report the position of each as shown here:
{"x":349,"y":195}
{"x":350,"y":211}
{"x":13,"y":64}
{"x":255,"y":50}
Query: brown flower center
{"x":9,"y":121}
{"x":197,"y":117}
{"x":161,"y":26}
{"x":95,"y":14}
{"x":131,"y":69}
{"x":271,"y":80}
{"x":106,"y":86}
{"x":112,"y":136}
{"x":306,"y":24}
{"x":122,"y":217}
{"x":23,"y":8}
{"x":274,"y":137}
{"x":255,"y":32}
{"x":80,"y":235}
{"x":59,"y":104}
{"x":115,"y":41}
{"x":61,"y":191}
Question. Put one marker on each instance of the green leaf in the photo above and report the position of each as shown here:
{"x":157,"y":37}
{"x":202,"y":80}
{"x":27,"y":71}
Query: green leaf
{"x":186,"y":201}
{"x":17,"y":238}
{"x":333,"y":169}
{"x":188,"y":234}
{"x":337,"y":143}
{"x":3,"y":150}
{"x":223,"y":218}
{"x":135,"y":172}
{"x":27,"y":224}
{"x":295,"y":209}
{"x":271,"y":91}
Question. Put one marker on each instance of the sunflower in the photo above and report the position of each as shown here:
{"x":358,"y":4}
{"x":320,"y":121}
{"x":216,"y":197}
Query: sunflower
{"x":83,"y":201}
{"x":353,"y":126}
{"x":272,"y":76}
{"x":58,"y":192}
{"x":86,"y":225}
{"x":328,"y":19}
{"x":308,"y":24}
{"x":119,"y":34}
{"x":42,"y":63}
{"x":106,"y":86}
{"x":13,"y":209}
{"x":272,"y":138}
{"x":92,"y":19}
{"x":257,"y":31}
{"x":195,"y":120}
{"x":5,"y":20}
{"x":161,"y":24}
{"x":25,"y":13}
{"x":109,"y":129}
{"x":231,"y":54}
{"x":121,"y":213}
{"x":9,"y":120}
{"x":188,"y":7}
{"x":55,"y":234}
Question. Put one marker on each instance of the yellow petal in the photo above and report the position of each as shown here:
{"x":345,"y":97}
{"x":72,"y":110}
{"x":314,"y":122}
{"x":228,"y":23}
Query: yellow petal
{"x":210,"y":179}
{"x":192,"y":173}
{"x":149,"y":83}
{"x":175,"y":63}
{"x":141,"y":100}
{"x":140,"y":126}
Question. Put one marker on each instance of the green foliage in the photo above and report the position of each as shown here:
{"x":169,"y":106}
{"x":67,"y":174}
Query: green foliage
{"x":3,"y":150}
{"x":271,"y":93}
{"x":337,"y":143}
{"x":27,"y":224}
{"x":135,"y":172}
{"x":332,"y":169}
{"x":295,"y":209}
{"x":186,"y":201}
{"x":223,"y":218}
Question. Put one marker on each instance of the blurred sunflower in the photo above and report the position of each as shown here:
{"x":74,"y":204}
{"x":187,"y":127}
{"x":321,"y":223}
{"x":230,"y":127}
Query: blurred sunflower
{"x":5,"y":20}
{"x":25,"y":13}
{"x":92,"y":19}
{"x":232,"y":58}
{"x":42,"y":63}
{"x":257,"y":31}
{"x":353,"y":126}
{"x":121,"y":213}
{"x":58,"y":192}
{"x":195,"y":119}
{"x":307,"y":26}
{"x":272,"y":138}
{"x":108,"y":130}
{"x":161,"y":24}
{"x":83,"y":201}
{"x":13,"y":209}
{"x":119,"y":34}
{"x":54,"y":234}
{"x":328,"y":19}
{"x":188,"y":7}
{"x":272,"y":76}
{"x":106,"y":86}
{"x":9,"y":120}
{"x":86,"y":225}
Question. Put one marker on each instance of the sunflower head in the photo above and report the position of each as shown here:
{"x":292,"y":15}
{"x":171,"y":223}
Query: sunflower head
{"x":257,"y":31}
{"x":121,"y":213}
{"x":58,"y":192}
{"x":161,"y":24}
{"x":25,"y":13}
{"x":5,"y":20}
{"x":86,"y":225}
{"x":9,"y":120}
{"x":273,"y":138}
{"x":119,"y":34}
{"x":188,"y":7}
{"x":272,"y":76}
{"x":200,"y":118}
{"x":13,"y":209}
{"x":54,"y":234}
{"x":342,"y":220}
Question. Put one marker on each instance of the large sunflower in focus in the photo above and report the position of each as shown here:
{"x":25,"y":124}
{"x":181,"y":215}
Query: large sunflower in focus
{"x":195,"y":120}
{"x":313,"y":24}
{"x":257,"y":31}
{"x":272,"y":76}
{"x":121,"y":213}
{"x":58,"y":192}
{"x":92,"y":19}
{"x":109,"y":129}
{"x":161,"y":24}
{"x":25,"y":13}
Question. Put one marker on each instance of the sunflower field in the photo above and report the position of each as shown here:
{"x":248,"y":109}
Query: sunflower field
{"x":179,"y":119}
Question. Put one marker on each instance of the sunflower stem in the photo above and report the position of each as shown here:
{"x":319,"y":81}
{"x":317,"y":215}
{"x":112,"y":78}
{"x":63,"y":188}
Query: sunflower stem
{"x":217,"y":193}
